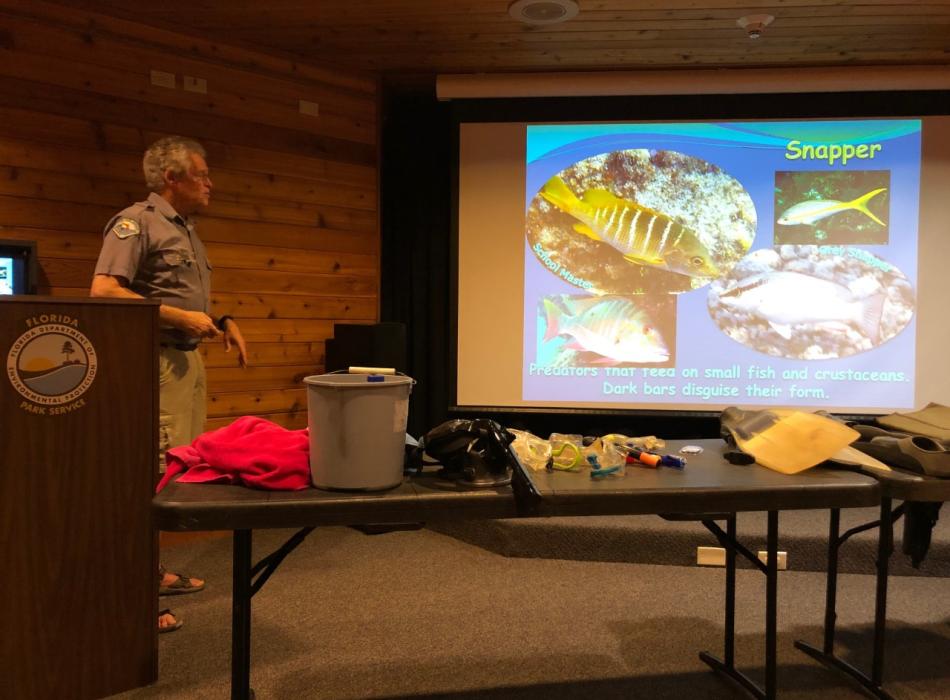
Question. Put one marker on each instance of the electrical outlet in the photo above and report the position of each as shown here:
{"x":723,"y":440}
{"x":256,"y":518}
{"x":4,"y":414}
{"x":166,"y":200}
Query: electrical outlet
{"x":192,"y":84}
{"x":711,"y":556}
{"x":782,"y":557}
{"x":162,"y":79}
{"x":309,"y":108}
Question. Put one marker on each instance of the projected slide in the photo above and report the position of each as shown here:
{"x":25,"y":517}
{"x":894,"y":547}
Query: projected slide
{"x":692,"y":264}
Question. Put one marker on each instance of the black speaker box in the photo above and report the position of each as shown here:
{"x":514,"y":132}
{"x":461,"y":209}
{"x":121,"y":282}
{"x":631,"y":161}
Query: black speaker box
{"x":375,"y":345}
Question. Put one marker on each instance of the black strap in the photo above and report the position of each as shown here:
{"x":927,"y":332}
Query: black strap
{"x":527,"y":497}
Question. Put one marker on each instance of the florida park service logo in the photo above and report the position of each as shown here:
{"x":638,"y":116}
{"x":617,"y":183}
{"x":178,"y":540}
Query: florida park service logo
{"x":52,"y":365}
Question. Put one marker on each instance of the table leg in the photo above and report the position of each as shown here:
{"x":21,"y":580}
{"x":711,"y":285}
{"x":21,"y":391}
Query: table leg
{"x":729,"y":651}
{"x":727,"y":666}
{"x":831,"y":587}
{"x":771,"y":604}
{"x":241,"y":617}
{"x":243,"y":575}
{"x":826,"y":655}
{"x":885,"y":546}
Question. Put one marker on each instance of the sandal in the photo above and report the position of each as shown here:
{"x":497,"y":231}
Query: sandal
{"x":183,"y":584}
{"x":168,"y":628}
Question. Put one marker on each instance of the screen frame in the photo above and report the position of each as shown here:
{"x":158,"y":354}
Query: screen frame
{"x":25,"y":250}
{"x":672,"y":108}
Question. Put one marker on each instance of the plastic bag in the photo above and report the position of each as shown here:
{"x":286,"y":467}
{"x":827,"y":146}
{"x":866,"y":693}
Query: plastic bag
{"x":567,"y":452}
{"x":647,"y":443}
{"x":534,"y":452}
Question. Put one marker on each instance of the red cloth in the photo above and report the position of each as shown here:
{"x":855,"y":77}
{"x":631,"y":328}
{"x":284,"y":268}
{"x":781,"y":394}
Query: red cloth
{"x":250,"y":451}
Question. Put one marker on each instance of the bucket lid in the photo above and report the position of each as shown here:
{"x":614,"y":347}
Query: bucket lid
{"x":356,"y":381}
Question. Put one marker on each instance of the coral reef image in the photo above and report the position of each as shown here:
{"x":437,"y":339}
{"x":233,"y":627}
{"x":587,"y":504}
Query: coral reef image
{"x":812,"y":302}
{"x":840,"y":207}
{"x":640,"y":222}
{"x":609,"y":331}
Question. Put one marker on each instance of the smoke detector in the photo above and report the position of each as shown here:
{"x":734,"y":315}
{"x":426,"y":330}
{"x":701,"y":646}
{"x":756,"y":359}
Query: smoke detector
{"x":543,"y":11}
{"x":754,"y":25}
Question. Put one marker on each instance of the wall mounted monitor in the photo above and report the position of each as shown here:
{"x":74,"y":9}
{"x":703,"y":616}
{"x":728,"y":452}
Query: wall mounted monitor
{"x":17,"y":267}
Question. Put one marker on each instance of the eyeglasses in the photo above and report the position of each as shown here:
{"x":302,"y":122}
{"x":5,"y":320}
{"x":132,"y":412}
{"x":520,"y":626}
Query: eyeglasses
{"x":204,"y":177}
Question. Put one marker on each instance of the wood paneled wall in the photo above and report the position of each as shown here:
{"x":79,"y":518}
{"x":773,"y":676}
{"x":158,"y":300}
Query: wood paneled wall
{"x":292,"y":230}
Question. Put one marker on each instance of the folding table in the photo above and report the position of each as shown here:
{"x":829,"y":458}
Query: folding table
{"x":707,"y":489}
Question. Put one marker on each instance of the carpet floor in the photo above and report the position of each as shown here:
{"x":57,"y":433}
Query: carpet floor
{"x":420,"y":614}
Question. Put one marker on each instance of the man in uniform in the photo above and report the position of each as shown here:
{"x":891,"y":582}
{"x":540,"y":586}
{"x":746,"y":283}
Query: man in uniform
{"x":151,"y":250}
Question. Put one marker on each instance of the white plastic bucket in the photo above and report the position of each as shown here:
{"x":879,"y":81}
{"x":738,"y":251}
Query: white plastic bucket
{"x":357,"y":429}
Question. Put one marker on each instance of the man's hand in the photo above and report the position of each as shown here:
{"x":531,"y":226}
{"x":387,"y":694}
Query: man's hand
{"x":232,"y":334}
{"x":197,"y":324}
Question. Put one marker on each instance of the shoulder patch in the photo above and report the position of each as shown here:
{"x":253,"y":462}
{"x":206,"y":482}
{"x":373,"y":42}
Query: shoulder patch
{"x":125,"y":227}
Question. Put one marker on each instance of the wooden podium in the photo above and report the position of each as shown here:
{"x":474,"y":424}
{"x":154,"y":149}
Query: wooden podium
{"x":79,"y":444}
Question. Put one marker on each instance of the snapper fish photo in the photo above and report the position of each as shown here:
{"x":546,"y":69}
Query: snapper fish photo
{"x":811,"y":211}
{"x":612,"y":328}
{"x":787,"y":300}
{"x":641,"y":235}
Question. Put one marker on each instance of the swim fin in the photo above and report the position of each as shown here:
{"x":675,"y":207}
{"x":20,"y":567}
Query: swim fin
{"x":786,"y":440}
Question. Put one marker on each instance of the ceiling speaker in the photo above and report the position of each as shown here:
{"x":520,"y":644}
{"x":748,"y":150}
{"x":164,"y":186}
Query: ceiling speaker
{"x":543,"y":11}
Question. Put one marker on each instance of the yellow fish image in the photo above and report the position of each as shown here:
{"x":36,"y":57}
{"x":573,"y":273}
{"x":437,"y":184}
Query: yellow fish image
{"x":643,"y":236}
{"x":811,"y":211}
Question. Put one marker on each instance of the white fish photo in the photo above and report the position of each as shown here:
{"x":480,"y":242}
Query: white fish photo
{"x":806,"y":302}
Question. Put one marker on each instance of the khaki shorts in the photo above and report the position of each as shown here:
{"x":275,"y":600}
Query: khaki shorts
{"x":182,"y":394}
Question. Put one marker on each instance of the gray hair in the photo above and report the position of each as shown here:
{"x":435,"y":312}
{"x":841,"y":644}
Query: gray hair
{"x":169,"y":153}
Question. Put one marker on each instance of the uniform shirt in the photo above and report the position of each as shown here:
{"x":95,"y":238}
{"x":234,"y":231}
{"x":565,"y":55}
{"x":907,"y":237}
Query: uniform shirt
{"x":159,"y":253}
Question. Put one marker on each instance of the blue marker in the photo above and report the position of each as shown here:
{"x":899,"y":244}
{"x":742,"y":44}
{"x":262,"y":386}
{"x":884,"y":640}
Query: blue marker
{"x":672,"y":461}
